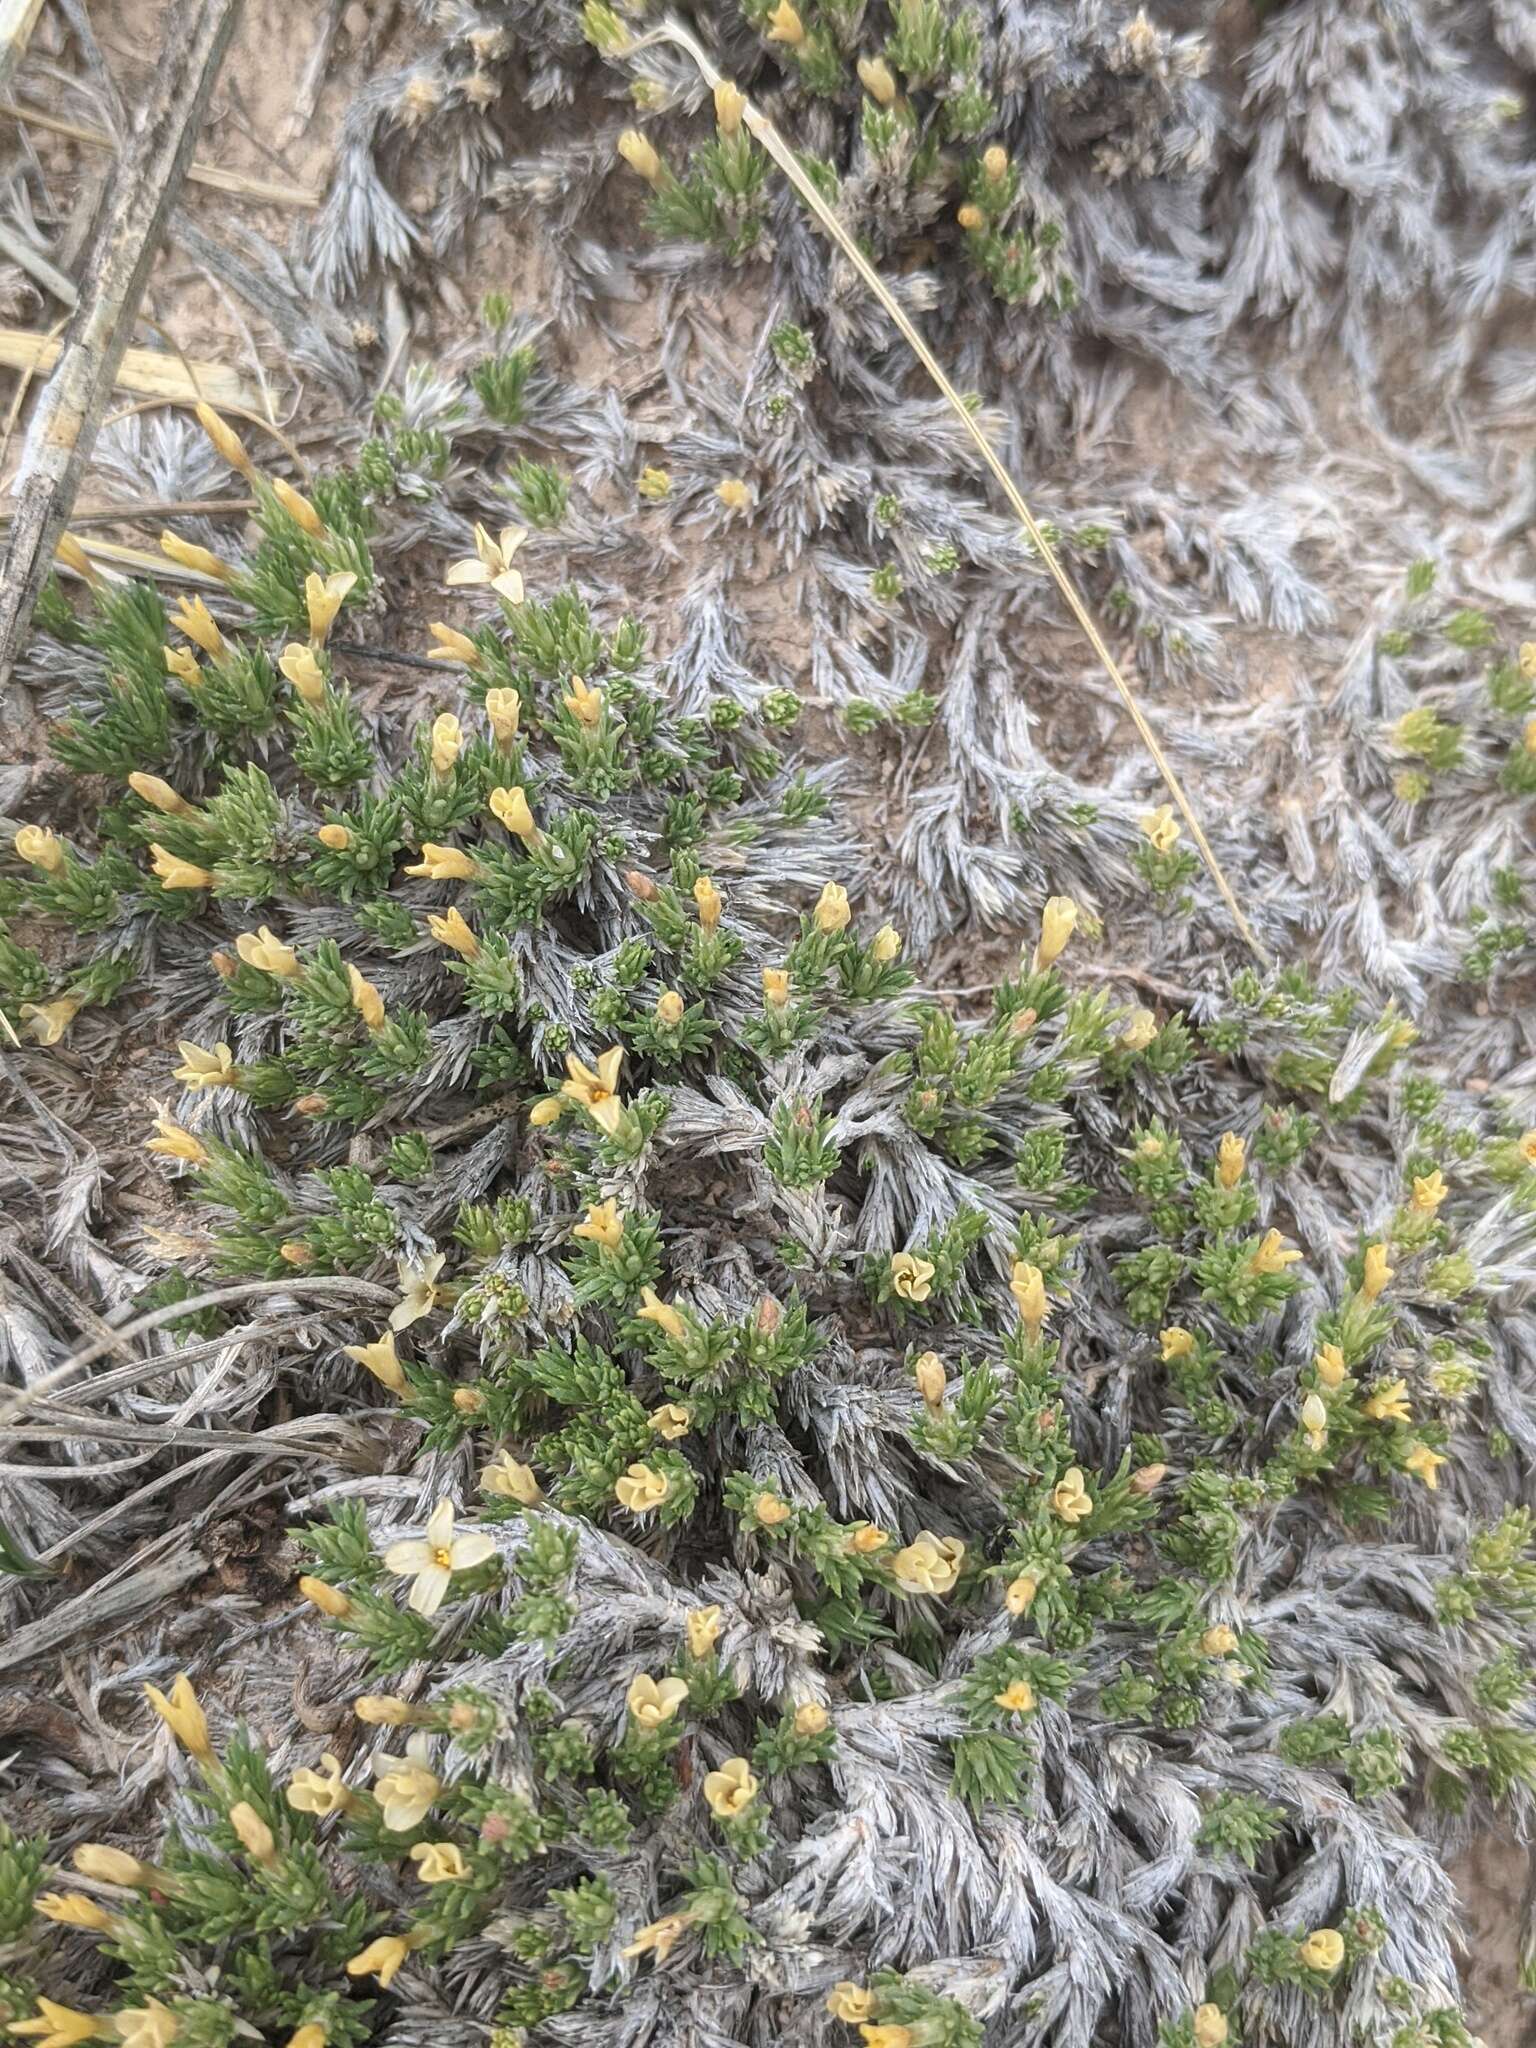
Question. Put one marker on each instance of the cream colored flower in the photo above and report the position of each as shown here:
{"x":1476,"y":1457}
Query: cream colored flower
{"x":775,"y":987}
{"x":596,"y":1088}
{"x":419,"y":1291}
{"x":256,"y":1838}
{"x":405,"y":1786}
{"x":323,"y":599}
{"x":1070,"y":1501}
{"x":811,"y":1718}
{"x":193,"y":618}
{"x":585,"y":705}
{"x":1161,"y":829}
{"x":298,"y":508}
{"x":929,"y":1563}
{"x":199,"y":1069}
{"x":431,"y":1560}
{"x":1231,"y":1159}
{"x":1273,"y":1254}
{"x":503,"y":709}
{"x":730,"y":1790}
{"x":320,"y":1792}
{"x":158,"y":793}
{"x":1017,"y":1698}
{"x":1027,"y":1286}
{"x":383,"y":1710}
{"x":1176,"y":1343}
{"x":1314,"y":1420}
{"x":264,"y":950}
{"x":653,"y":1702}
{"x":505,"y":1477}
{"x":172,"y":1142}
{"x":1219,"y":1641}
{"x":653,"y":1309}
{"x":911,"y":1276}
{"x":1429,"y":1191}
{"x":112,"y":1866}
{"x":852,"y":2003}
{"x":931,"y":1378}
{"x":885,"y":946}
{"x":1020,"y":1596}
{"x":1330,"y":1367}
{"x":1058,"y":921}
{"x":659,"y":1938}
{"x":439,"y":1862}
{"x":297,"y":662}
{"x":770,"y":1511}
{"x":640,"y":156}
{"x":491,"y":563}
{"x":735,"y":494}
{"x":176,"y":873}
{"x":1209,"y":2026}
{"x":150,"y":2025}
{"x":510,"y":806}
{"x":669,"y":1008}
{"x":444,"y":864}
{"x":380,"y":1359}
{"x":703,"y":1630}
{"x":1323,"y":1950}
{"x":182,"y":1713}
{"x":447,"y":742}
{"x":366,"y":1000}
{"x":709,"y":901}
{"x":1139,"y":1031}
{"x":450,"y":930}
{"x":729,"y":106}
{"x":641,"y":1489}
{"x":832,"y":911}
{"x":603,"y":1225}
{"x":785,"y":25}
{"x":381,"y":1958}
{"x":670,"y":1421}
{"x":39,"y":848}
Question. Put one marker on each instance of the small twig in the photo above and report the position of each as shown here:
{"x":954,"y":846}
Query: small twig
{"x":37,"y":267}
{"x":198,"y":174}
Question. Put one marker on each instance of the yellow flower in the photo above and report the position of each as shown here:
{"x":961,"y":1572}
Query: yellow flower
{"x":775,"y":987}
{"x":885,"y":946}
{"x":1388,"y":1402}
{"x":297,"y":662}
{"x":1425,"y":1464}
{"x":995,"y":163}
{"x":703,"y":1630}
{"x":366,"y":1000}
{"x":298,"y":508}
{"x":584,"y":705}
{"x":832,"y":911}
{"x":1323,"y":1949}
{"x":1021,"y":1592}
{"x":728,"y":107}
{"x":1027,"y":1286}
{"x":447,"y":742}
{"x":652,"y":1702}
{"x":431,"y":1560}
{"x":1219,"y":1641}
{"x":887,"y":2037}
{"x":929,"y":1563}
{"x":503,"y":709}
{"x":876,"y":79}
{"x":1314,"y":1420}
{"x":1176,"y":1342}
{"x":444,"y":864}
{"x":1140,"y":1030}
{"x":641,"y":1489}
{"x":510,"y":806}
{"x":811,"y":1718}
{"x":931,"y":1378}
{"x":669,"y":1008}
{"x":659,"y":1938}
{"x":545,"y":1113}
{"x":184,"y":1716}
{"x":439,"y":1862}
{"x":653,"y":483}
{"x":1058,"y":921}
{"x":263,"y":949}
{"x":74,"y":1909}
{"x":419,"y":1291}
{"x":785,"y":26}
{"x":1070,"y":1502}
{"x":1231,"y":1158}
{"x":319,"y":1792}
{"x":193,"y":618}
{"x":336,"y":837}
{"x":595,"y":1088}
{"x":770,"y":1511}
{"x":1331,"y":1369}
{"x":670,"y":1421}
{"x":491,"y":563}
{"x":1377,"y":1271}
{"x":451,"y":930}
{"x":1272,"y":1255}
{"x":311,"y":2035}
{"x":509,"y":1480}
{"x":151,"y":2025}
{"x":196,"y":558}
{"x":603,"y":1225}
{"x":172,"y":1142}
{"x":850,"y":2002}
{"x":911,"y":1277}
{"x":730,"y":1790}
{"x":381,"y":1958}
{"x":1429,"y":1191}
{"x":39,"y":847}
{"x":256,"y":1838}
{"x":1210,"y":2026}
{"x":379,"y":1358}
{"x":383,"y":1710}
{"x":1161,"y":829}
{"x":199,"y":1069}
{"x":640,"y":156}
{"x":329,"y":1599}
{"x":710,"y":902}
{"x":57,"y":2026}
{"x":112,"y":1866}
{"x":404,"y":1786}
{"x":226,"y":441}
{"x":1525,"y":1145}
{"x":1017,"y":1698}
{"x":176,"y":873}
{"x":734,"y":493}
{"x":154,"y":790}
{"x":323,"y":598}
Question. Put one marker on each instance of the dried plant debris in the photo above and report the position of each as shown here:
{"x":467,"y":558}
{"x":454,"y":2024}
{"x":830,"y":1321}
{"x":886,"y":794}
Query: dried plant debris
{"x":815,"y":1513}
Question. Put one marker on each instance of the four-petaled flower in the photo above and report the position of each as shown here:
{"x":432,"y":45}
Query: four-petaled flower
{"x":929,"y":1563}
{"x":491,"y":563}
{"x":653,"y":1702}
{"x":321,"y":1791}
{"x":911,"y":1276}
{"x":419,"y":1292}
{"x":641,"y":1489}
{"x":1070,"y":1501}
{"x":730,"y":1790}
{"x":596,"y":1088}
{"x":431,"y":1560}
{"x":404,"y":1786}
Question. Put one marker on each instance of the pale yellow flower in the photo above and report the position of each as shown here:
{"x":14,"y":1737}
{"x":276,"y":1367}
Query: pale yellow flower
{"x":447,"y":742}
{"x":505,"y":1477}
{"x":832,"y":911}
{"x":329,"y":1599}
{"x":603,"y":1225}
{"x":383,"y":1710}
{"x":323,"y":599}
{"x":366,"y":1000}
{"x":1139,"y":1031}
{"x":885,"y":946}
{"x":491,"y":563}
{"x":176,"y":873}
{"x":431,"y":1560}
{"x":1176,"y":1342}
{"x":1330,"y":1366}
{"x":112,"y":1866}
{"x":297,"y":662}
{"x":911,"y":1276}
{"x":193,"y":618}
{"x":729,"y":105}
{"x":811,"y":1718}
{"x":1377,"y":1271}
{"x":775,"y":987}
{"x":264,"y":950}
{"x":171,"y":1141}
{"x":156,"y":791}
{"x":1218,"y":1641}
{"x":1425,"y":1464}
{"x":1021,"y":1592}
{"x":1231,"y":1159}
{"x":865,"y":1540}
{"x":1017,"y":1698}
{"x":641,"y":1489}
{"x":419,"y":1291}
{"x":640,"y":156}
{"x":319,"y":1792}
{"x":39,"y":848}
{"x":892,"y":2036}
{"x":670,"y":1008}
{"x":1429,"y":1191}
{"x":74,"y":1909}
{"x":596,"y":1088}
{"x":150,"y":2025}
{"x":931,"y":1378}
{"x":190,"y":556}
{"x":298,"y":508}
{"x":381,"y":1360}
{"x":785,"y":25}
{"x":703,"y":1630}
{"x":405,"y":1786}
{"x":670,"y":1421}
{"x":1070,"y":1501}
{"x":57,"y":2026}
{"x":1273,"y":1255}
{"x":1058,"y":921}
{"x":653,"y":1702}
{"x":735,"y":494}
{"x":450,"y":930}
{"x":929,"y":1563}
{"x":730,"y":1790}
{"x":503,"y":709}
{"x":510,"y":806}
{"x":335,"y":837}
{"x":1161,"y":829}
{"x":850,"y":2002}
{"x":256,"y":1838}
{"x":444,"y":864}
{"x":1314,"y":1420}
{"x":585,"y":705}
{"x":182,"y":1713}
{"x":439,"y":1862}
{"x":382,"y":1958}
{"x":1323,"y":1949}
{"x":709,"y":901}
{"x":1209,"y":2026}
{"x":227,"y":442}
{"x":199,"y":1069}
{"x":659,"y":1938}
{"x":1027,"y":1286}
{"x":876,"y":78}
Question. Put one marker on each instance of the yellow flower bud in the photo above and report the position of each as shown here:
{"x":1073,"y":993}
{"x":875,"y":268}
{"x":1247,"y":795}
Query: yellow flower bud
{"x":510,"y":807}
{"x":74,"y":1909}
{"x":1377,"y":1271}
{"x":703,"y":1631}
{"x":734,"y":493}
{"x":1330,"y":1366}
{"x":785,"y":26}
{"x":640,"y":156}
{"x":876,"y":79}
{"x":545,"y":1113}
{"x":190,"y":557}
{"x":47,"y":1022}
{"x":1429,"y":1191}
{"x":994,"y":164}
{"x":811,"y":1718}
{"x":775,"y":988}
{"x":1176,"y":1343}
{"x":447,"y":742}
{"x":1273,"y":1255}
{"x":653,"y":484}
{"x":1139,"y":1030}
{"x":709,"y":901}
{"x":1058,"y":921}
{"x":729,"y":106}
{"x":1210,"y":2026}
{"x":366,"y":1000}
{"x":1231,"y":1159}
{"x":885,"y":946}
{"x":329,"y":1599}
{"x":112,"y":1866}
{"x":172,"y":1142}
{"x":182,"y":1713}
{"x":1161,"y":829}
{"x":1323,"y":1950}
{"x":971,"y":218}
{"x":176,"y":873}
{"x":265,"y":951}
{"x":1027,"y":1286}
{"x":931,"y":1378}
{"x":451,"y":930}
{"x":336,"y":837}
{"x":453,"y":645}
{"x":73,"y":556}
{"x":256,"y":1838}
{"x":161,"y":795}
{"x":832,"y":911}
{"x":228,"y":443}
{"x":1219,"y":1641}
{"x":298,"y":508}
{"x":1021,"y":1592}
{"x":770,"y":1511}
{"x":444,"y":863}
{"x":851,"y":2003}
{"x":383,"y":1710}
{"x":193,"y":618}
{"x":323,"y":599}
{"x":669,"y":1008}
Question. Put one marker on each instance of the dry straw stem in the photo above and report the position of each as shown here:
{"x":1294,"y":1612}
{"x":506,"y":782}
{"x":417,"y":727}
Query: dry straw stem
{"x":142,"y":370}
{"x":767,"y":135}
{"x":261,"y":189}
